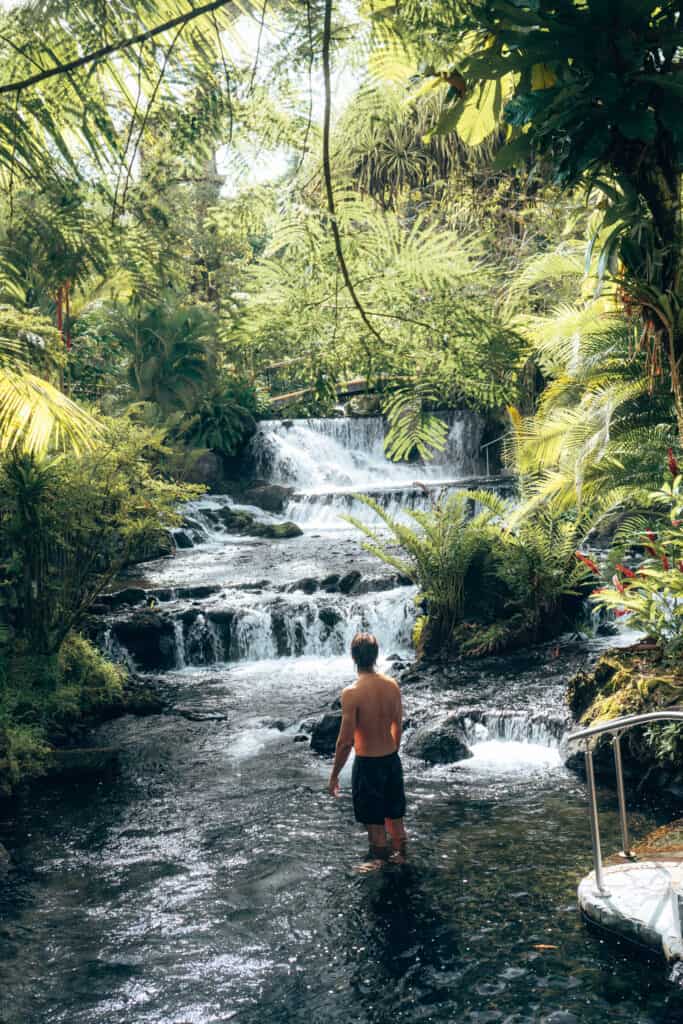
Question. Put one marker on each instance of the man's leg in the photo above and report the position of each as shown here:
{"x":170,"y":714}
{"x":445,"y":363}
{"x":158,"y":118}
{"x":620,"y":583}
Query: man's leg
{"x":377,"y":838}
{"x":399,"y":839}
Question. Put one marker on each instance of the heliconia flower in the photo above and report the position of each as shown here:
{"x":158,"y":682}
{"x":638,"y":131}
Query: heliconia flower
{"x":648,"y":547}
{"x":624,"y":569}
{"x":665,"y":563}
{"x":673,"y":465}
{"x":676,"y":522}
{"x":621,"y":611}
{"x":680,"y":565}
{"x":588,"y":561}
{"x":617,"y":584}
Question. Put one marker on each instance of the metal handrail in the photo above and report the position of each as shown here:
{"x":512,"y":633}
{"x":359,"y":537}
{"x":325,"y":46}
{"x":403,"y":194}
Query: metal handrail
{"x":616,"y":726}
{"x":485,"y":448}
{"x":626,"y":722}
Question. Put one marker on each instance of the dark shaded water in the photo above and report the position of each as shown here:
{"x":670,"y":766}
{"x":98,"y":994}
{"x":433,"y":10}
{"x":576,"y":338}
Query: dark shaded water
{"x":213,"y":880}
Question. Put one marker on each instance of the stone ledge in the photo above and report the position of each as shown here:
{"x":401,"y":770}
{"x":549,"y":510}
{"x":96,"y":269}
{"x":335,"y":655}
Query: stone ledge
{"x":637,"y":905}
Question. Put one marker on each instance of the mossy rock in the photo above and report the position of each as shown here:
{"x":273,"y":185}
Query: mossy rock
{"x":277,"y":531}
{"x":630,"y":682}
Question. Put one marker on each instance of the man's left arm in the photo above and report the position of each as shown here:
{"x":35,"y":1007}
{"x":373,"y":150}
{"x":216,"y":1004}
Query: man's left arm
{"x":344,"y":740}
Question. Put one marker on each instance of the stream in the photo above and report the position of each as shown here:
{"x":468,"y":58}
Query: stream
{"x":211,"y":879}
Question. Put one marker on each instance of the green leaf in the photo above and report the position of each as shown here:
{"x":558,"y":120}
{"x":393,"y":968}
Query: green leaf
{"x":515,"y":152}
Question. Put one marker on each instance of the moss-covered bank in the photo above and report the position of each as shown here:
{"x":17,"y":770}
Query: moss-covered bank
{"x":628,"y":682}
{"x":50,"y":703}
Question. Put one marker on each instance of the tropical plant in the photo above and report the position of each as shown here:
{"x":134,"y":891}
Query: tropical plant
{"x":591,"y":92}
{"x":69,"y":523}
{"x":484,"y":586}
{"x":35,"y":415}
{"x":171,"y":351}
{"x":651,"y":593}
{"x":224,"y":420}
{"x":600,"y":424}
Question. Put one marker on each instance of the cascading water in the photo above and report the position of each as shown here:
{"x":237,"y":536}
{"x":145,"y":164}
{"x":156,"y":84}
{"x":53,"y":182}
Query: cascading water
{"x":316,"y":455}
{"x":327,"y":461}
{"x":210,"y":880}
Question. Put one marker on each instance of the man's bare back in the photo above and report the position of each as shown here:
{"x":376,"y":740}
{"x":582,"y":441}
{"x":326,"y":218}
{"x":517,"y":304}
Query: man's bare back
{"x":372,"y":718}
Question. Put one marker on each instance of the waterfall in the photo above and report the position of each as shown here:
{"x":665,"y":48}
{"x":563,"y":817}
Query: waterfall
{"x":543,"y":728}
{"x":325,"y":454}
{"x":179,"y":643}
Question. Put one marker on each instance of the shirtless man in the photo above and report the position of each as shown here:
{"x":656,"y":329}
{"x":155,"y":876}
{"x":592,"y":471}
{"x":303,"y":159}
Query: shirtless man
{"x":371,"y":722}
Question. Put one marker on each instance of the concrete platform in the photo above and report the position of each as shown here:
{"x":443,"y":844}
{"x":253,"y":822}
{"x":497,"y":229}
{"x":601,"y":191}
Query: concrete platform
{"x":638,"y":903}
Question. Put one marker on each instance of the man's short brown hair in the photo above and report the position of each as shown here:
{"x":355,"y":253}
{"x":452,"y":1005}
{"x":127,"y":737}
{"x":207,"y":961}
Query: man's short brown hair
{"x":364,"y":651}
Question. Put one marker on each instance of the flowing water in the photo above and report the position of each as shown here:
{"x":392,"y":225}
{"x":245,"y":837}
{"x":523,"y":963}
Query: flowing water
{"x":211,"y":879}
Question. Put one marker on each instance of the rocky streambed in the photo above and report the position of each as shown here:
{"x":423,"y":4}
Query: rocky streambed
{"x":211,"y":878}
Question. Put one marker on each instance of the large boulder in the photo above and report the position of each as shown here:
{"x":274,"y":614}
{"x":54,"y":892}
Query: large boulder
{"x":442,"y":742}
{"x":350,"y":582}
{"x":276,"y":531}
{"x":149,"y":637}
{"x":232,"y":519}
{"x":269,"y":497}
{"x":325,"y":733}
{"x":207,"y":469}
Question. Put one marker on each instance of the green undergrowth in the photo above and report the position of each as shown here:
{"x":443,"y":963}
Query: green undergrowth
{"x":47,"y":701}
{"x":631,"y":682}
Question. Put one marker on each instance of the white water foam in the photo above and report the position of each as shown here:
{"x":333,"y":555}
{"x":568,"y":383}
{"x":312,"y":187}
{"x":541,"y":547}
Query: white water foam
{"x":511,"y":756}
{"x":324,"y":454}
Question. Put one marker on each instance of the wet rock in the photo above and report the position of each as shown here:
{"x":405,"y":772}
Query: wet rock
{"x":199,"y":592}
{"x":308,"y":585}
{"x":269,"y":497}
{"x":330,"y":617}
{"x":149,"y":637}
{"x":234,"y":520}
{"x":330,"y":583}
{"x":325,"y":732}
{"x":200,"y":715}
{"x":300,"y":737}
{"x":144,"y":696}
{"x":5,"y":862}
{"x":276,"y":531}
{"x":208,"y":469}
{"x":441,"y":742}
{"x":364,"y":405}
{"x":82,"y":762}
{"x":350,"y":583}
{"x":130,"y":596}
{"x":182,"y":539}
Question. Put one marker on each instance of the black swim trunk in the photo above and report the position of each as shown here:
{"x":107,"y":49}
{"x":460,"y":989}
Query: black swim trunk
{"x":377,"y":787}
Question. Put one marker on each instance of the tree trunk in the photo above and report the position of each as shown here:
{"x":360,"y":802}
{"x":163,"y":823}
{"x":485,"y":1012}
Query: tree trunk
{"x":659,"y":182}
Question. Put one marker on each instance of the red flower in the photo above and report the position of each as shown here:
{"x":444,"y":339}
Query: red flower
{"x":680,"y":565}
{"x":648,"y":547}
{"x":621,"y":611}
{"x":673,"y":465}
{"x":616,"y":582}
{"x":589,"y":562}
{"x":600,"y":590}
{"x":676,"y":522}
{"x":665,"y":563}
{"x":629,"y":573}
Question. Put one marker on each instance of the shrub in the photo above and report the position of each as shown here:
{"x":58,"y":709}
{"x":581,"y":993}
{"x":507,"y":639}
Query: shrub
{"x":485,"y":586}
{"x":46,"y":699}
{"x":651,"y":594}
{"x":69,"y":523}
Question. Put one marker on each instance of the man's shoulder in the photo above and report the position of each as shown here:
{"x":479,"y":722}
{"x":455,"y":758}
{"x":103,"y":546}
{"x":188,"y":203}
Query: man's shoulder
{"x":390,"y":680}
